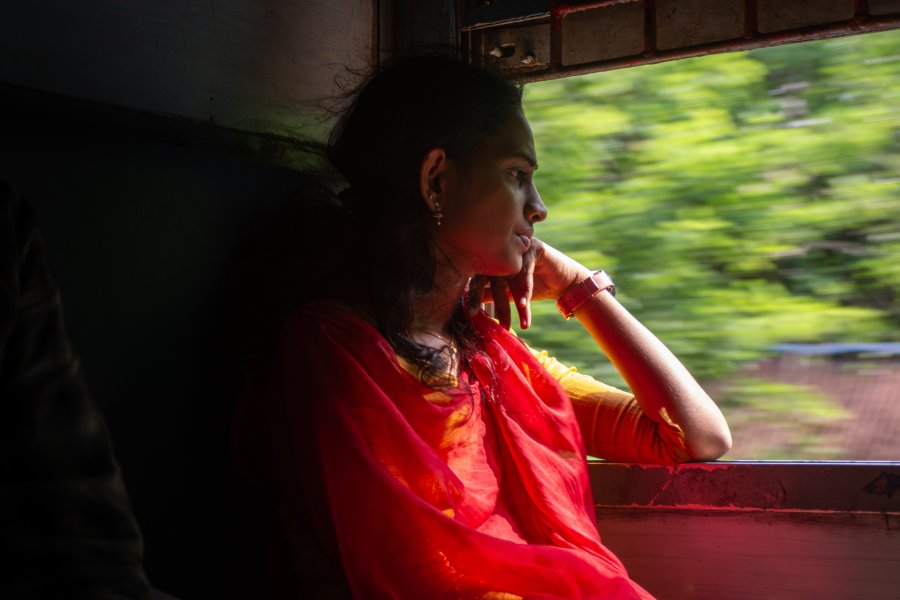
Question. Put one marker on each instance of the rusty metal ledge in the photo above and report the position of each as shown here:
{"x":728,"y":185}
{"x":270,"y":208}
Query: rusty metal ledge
{"x":857,"y":487}
{"x":528,"y":47}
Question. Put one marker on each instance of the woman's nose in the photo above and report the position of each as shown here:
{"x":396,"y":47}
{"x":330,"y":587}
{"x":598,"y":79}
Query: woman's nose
{"x":535,"y":211}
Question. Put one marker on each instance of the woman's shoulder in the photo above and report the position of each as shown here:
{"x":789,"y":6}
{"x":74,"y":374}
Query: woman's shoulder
{"x":328,"y":311}
{"x":334,"y":319}
{"x":326,"y":337}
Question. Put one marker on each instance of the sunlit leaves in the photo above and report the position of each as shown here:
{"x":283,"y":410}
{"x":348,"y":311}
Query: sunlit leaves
{"x":739,"y":200}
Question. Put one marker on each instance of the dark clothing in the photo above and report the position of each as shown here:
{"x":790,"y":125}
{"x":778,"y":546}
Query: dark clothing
{"x":66,"y":527}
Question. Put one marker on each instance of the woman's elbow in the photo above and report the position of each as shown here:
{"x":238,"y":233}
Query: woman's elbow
{"x":711,"y":446}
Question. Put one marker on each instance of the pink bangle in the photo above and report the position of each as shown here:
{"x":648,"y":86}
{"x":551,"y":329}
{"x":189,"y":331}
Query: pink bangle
{"x":583,"y":291}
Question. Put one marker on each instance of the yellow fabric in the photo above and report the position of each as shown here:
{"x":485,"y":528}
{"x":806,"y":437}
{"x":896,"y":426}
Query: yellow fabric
{"x":612,"y":423}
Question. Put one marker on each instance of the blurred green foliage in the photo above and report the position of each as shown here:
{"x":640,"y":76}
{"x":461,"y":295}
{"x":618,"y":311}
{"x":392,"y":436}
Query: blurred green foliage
{"x":739,"y":200}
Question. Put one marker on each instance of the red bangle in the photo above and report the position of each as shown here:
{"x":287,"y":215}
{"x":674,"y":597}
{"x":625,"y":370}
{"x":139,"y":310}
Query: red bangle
{"x":583,"y":291}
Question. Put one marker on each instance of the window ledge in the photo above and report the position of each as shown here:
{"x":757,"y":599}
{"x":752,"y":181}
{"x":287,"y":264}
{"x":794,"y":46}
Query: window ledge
{"x":859,"y":487}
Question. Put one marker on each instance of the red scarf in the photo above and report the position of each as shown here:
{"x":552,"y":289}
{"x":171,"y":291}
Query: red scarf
{"x":473,"y":493}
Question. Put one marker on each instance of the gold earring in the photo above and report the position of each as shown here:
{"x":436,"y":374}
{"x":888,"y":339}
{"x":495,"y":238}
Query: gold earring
{"x":438,"y":214}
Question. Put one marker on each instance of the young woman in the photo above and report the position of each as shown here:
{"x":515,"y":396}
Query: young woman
{"x":414,"y":446}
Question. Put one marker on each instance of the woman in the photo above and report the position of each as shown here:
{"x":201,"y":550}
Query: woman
{"x":415,"y":447}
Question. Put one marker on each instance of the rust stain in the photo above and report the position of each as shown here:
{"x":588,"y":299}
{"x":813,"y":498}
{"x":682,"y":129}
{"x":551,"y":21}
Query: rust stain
{"x":885,"y":484}
{"x":561,"y":8}
{"x":700,"y":488}
{"x":752,"y":38}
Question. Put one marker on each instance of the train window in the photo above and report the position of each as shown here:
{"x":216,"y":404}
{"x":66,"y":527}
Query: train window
{"x":748,"y":206}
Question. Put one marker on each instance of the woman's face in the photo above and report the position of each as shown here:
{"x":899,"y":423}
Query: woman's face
{"x":491,"y":205}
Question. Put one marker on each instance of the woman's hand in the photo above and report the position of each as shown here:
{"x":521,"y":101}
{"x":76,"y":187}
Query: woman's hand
{"x":660,"y":383}
{"x":546,"y":273}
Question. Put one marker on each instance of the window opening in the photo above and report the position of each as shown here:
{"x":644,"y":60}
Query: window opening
{"x":748,"y":207}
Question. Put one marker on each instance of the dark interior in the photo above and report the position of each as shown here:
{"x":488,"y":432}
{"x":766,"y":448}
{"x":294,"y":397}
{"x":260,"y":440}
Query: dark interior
{"x":143,"y":237}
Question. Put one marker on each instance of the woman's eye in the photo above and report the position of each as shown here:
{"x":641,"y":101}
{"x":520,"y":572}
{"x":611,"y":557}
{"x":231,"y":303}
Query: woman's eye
{"x":519,"y":175}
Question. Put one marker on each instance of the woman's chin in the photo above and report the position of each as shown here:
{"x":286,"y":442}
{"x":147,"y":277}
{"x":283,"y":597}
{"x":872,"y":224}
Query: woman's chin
{"x":510,"y":268}
{"x":506,"y":266}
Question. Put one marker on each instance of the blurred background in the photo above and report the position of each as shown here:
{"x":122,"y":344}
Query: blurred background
{"x":748,"y":207}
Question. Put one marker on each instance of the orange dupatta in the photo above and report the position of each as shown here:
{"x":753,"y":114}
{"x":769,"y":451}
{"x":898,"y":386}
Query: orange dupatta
{"x":425,"y":494}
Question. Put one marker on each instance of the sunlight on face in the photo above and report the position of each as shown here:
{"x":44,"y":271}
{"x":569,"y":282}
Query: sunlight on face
{"x":492,"y":205}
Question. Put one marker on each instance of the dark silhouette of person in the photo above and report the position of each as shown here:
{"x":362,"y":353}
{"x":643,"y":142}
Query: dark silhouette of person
{"x":66,"y":525}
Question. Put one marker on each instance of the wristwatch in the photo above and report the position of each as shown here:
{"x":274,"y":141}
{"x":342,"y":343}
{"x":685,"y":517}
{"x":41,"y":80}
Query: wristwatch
{"x":584,"y":290}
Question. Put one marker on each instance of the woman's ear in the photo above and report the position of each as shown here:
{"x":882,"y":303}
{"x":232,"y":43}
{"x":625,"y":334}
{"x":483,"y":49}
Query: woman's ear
{"x":433,"y":175}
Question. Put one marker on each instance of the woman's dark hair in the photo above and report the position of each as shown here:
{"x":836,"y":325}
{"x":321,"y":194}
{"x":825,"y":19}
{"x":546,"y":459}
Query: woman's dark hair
{"x":402,"y":111}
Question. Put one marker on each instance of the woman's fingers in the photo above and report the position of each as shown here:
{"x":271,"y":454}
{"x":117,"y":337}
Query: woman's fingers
{"x":522,"y":286}
{"x":519,"y":288}
{"x":500,"y":292}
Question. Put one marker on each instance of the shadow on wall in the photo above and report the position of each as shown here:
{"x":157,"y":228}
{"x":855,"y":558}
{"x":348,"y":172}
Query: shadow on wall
{"x":142,"y":238}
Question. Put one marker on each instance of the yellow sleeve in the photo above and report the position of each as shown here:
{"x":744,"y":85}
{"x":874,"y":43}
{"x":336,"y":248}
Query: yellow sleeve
{"x":612,"y":423}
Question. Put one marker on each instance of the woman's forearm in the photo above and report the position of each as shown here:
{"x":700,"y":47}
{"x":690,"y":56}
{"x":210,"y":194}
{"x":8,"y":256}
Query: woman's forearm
{"x":657,"y":378}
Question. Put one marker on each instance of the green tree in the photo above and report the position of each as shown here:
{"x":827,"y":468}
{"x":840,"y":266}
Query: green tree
{"x":740,"y":200}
